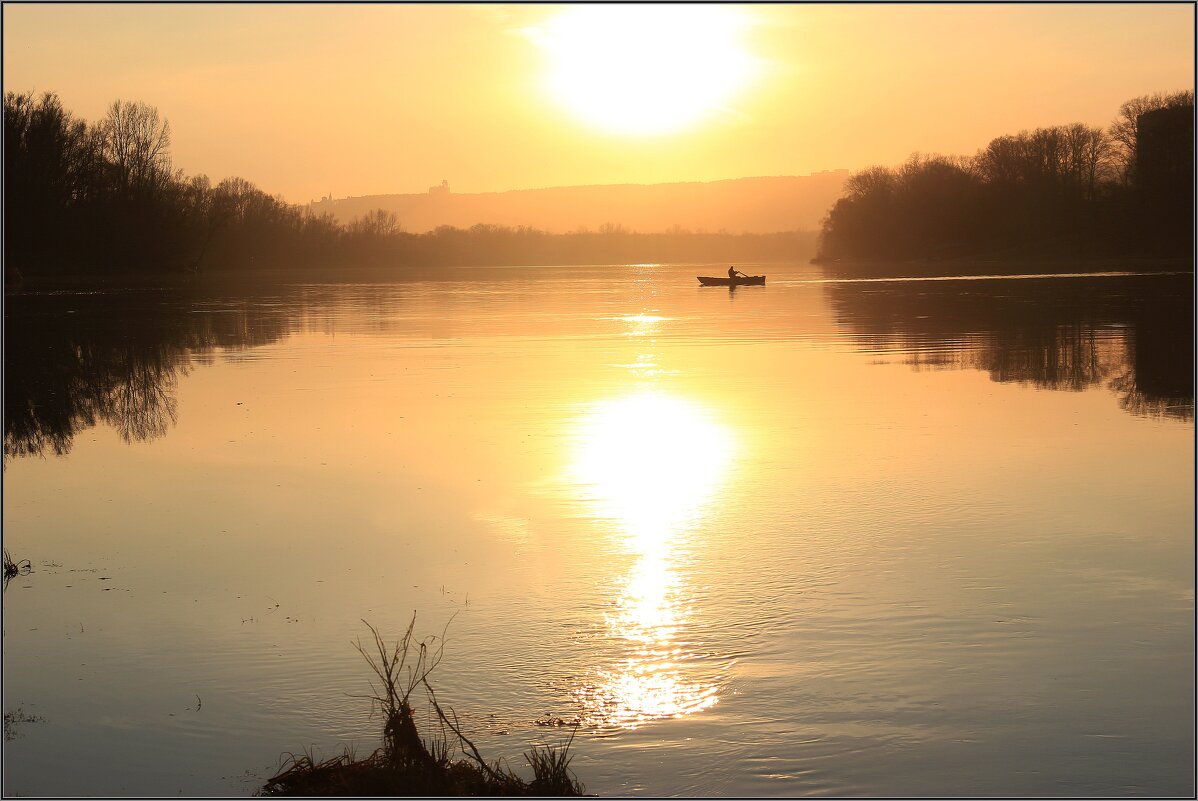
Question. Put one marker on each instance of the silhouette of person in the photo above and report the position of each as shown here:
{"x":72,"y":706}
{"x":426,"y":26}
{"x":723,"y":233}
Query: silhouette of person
{"x":733,"y":272}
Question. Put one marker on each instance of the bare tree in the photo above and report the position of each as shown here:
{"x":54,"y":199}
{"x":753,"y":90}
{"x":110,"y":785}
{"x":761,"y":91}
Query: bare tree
{"x":1072,"y":157}
{"x":1125,"y":130}
{"x":1090,"y":157}
{"x":1004,"y":160}
{"x":380,"y":223}
{"x":137,"y":142}
{"x":872,"y":181}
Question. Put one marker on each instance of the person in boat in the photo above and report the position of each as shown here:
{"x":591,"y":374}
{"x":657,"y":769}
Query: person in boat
{"x":733,"y":273}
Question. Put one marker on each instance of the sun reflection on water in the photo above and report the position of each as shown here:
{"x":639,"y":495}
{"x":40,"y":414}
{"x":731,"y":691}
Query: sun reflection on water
{"x":650,"y":463}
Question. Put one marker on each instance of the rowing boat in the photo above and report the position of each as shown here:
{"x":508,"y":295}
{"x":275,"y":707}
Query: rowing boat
{"x":752,"y":280}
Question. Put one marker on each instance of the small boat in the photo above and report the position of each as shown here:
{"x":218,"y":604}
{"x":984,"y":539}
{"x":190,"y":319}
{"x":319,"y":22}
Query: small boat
{"x":752,"y":280}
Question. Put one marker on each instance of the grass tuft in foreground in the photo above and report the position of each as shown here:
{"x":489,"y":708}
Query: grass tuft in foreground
{"x":408,"y":764}
{"x":13,"y":569}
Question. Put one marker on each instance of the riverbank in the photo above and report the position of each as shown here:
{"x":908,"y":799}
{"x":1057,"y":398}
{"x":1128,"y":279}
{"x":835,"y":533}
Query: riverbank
{"x":408,"y":764}
{"x":1042,"y":265}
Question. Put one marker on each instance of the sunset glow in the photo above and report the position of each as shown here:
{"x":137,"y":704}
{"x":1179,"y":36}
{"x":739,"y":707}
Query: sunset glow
{"x":633,"y":69}
{"x":393,"y":98}
{"x":701,"y":398}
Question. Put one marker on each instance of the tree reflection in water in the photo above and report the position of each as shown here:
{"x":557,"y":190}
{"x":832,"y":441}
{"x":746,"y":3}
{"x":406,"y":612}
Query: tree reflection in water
{"x":1131,"y":334}
{"x":73,"y":360}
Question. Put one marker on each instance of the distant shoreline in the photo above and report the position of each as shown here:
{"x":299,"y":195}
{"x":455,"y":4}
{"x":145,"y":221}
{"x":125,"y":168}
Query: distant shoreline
{"x":833,"y":269}
{"x":1039,"y":265}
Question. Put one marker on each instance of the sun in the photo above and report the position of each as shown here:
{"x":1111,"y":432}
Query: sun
{"x":645,"y":69}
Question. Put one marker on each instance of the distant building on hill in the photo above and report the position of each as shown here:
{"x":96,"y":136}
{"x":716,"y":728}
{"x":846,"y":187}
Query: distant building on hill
{"x":754,"y":205}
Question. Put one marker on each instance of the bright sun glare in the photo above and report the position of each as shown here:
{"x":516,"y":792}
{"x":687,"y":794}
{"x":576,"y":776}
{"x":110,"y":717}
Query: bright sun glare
{"x":645,"y":69}
{"x":651,"y":460}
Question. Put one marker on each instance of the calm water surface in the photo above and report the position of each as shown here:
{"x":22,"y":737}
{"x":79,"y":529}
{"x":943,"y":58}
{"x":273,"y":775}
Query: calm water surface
{"x":814,"y":538}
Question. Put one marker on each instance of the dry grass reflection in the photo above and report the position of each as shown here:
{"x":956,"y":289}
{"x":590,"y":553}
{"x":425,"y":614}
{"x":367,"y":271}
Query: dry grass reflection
{"x":650,"y":462}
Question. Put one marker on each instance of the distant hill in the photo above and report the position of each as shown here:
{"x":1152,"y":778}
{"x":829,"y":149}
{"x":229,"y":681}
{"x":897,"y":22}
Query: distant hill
{"x":741,"y":205}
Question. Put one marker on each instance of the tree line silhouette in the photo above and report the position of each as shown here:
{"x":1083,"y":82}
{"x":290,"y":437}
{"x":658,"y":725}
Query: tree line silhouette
{"x":104,"y":198}
{"x":1064,"y":191}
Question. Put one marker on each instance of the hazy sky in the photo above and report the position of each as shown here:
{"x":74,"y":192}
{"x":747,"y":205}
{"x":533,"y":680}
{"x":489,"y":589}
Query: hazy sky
{"x":305,"y":100}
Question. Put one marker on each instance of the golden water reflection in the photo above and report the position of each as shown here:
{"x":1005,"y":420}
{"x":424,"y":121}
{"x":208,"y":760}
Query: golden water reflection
{"x":649,"y":463}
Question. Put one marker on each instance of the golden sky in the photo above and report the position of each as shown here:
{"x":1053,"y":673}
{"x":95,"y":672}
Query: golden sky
{"x":305,"y":100}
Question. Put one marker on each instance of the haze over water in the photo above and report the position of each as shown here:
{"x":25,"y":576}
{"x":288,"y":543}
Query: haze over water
{"x":815,"y":538}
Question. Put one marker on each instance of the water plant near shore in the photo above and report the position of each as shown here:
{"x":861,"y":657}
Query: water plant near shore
{"x":408,"y":764}
{"x":13,"y":569}
{"x":13,"y":719}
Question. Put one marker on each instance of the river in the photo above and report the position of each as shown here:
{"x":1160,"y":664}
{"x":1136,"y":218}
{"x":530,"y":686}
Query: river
{"x":819,"y":537}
